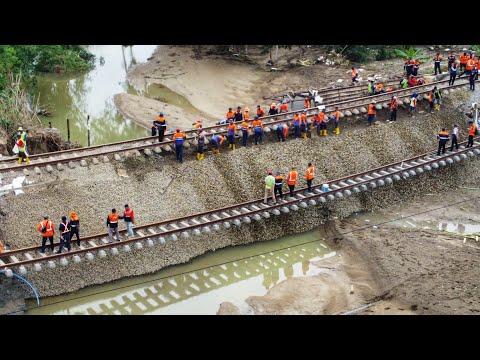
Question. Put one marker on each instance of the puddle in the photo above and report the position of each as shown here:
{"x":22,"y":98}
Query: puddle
{"x":411,"y":222}
{"x":199,"y":287}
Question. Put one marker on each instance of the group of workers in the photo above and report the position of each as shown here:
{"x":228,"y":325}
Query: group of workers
{"x":69,"y":228}
{"x":443,"y":137}
{"x":274,"y":184}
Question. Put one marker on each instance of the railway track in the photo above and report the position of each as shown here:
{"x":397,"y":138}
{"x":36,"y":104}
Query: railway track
{"x":149,"y":145}
{"x":224,"y":218}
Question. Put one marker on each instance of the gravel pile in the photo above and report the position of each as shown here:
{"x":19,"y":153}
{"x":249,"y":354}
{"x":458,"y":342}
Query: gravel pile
{"x":216,"y":182}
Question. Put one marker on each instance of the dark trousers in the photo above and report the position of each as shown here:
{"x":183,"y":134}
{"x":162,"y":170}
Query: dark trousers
{"x":431,"y":106}
{"x":44,"y":242}
{"x":280,"y":135}
{"x":318,"y":129}
{"x":437,"y":67}
{"x":462,"y":66}
{"x":244,"y":137}
{"x":278,"y":189}
{"x":441,"y":146}
{"x":291,"y":188}
{"x":452,"y":78}
{"x":309,"y":185}
{"x":414,"y":71}
{"x":154,"y":131}
{"x":179,"y":152}
{"x":472,"y":85}
{"x":371,"y":119}
{"x":65,"y":237}
{"x":231,"y":139}
{"x":408,"y":69}
{"x":466,"y":72}
{"x":470,"y":141}
{"x":200,"y":149}
{"x":77,"y":232}
{"x":454,"y":142}
{"x":297,"y":131}
{"x":303,"y":129}
{"x":354,"y":79}
{"x":258,"y":136}
{"x":393,"y":114}
{"x":161,"y":133}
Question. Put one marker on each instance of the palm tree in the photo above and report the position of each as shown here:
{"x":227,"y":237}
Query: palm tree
{"x":411,"y":53}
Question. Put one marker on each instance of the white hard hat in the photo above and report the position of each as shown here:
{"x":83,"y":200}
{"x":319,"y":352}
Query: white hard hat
{"x":20,"y":128}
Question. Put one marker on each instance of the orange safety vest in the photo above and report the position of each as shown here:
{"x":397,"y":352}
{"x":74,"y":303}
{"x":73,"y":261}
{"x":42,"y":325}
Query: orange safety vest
{"x":245,"y":125}
{"x":284,"y":107}
{"x":232,"y":127}
{"x":230,"y":115}
{"x":292,"y":178}
{"x":260,"y":112}
{"x":336,"y":114}
{"x":113,"y":218}
{"x":471,"y":130}
{"x":47,"y":224}
{"x":354,"y":72}
{"x":310,"y":173}
{"x":470,"y":63}
{"x":161,"y":119}
{"x":257,"y":124}
{"x":371,"y":109}
{"x":430,"y":97}
{"x":246,"y":115}
{"x":1,"y":247}
{"x":295,"y":119}
{"x":321,"y":117}
{"x":303,"y":119}
{"x":285,"y":131}
{"x":306,"y":103}
{"x":379,"y":87}
{"x":463,"y":59}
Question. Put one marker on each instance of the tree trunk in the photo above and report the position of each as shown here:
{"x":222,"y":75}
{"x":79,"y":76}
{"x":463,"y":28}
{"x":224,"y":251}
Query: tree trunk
{"x":276,"y":53}
{"x":246,"y":50}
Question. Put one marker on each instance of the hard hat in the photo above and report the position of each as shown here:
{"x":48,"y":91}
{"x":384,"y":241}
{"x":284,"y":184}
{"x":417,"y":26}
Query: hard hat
{"x":20,"y":128}
{"x":45,"y":216}
{"x":177,"y":129}
{"x":247,"y":109}
{"x":270,"y":172}
{"x":278,"y":172}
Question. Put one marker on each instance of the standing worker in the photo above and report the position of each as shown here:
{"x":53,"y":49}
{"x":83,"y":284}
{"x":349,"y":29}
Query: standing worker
{"x":472,"y":76}
{"x":112,"y":224}
{"x":336,"y":121}
{"x":437,"y":95}
{"x":232,"y":128}
{"x":23,"y":136}
{"x":1,"y":247}
{"x":393,"y":108}
{"x":296,"y":124}
{"x":238,"y":114}
{"x":354,"y":75}
{"x":453,"y":73}
{"x":454,"y":137}
{"x":273,"y":109}
{"x":179,"y":137}
{"x":415,"y":68}
{"x":64,"y":235}
{"x":278,"y":184}
{"x":323,"y":123}
{"x":200,"y":144}
{"x":129,"y":218}
{"x":161,"y":126}
{"x":245,"y":129}
{"x":371,"y":112}
{"x":471,"y":133}
{"x":451,"y":59}
{"x":246,"y":114}
{"x":258,"y":130}
{"x":310,"y":175}
{"x":430,"y":101}
{"x":21,"y":150}
{"x":154,"y":128}
{"x":269,"y":185}
{"x":436,"y":61}
{"x":463,"y":61}
{"x":371,"y":88}
{"x":316,"y":123}
{"x":292,"y":180}
{"x":408,"y":67}
{"x":442,"y":140}
{"x":217,"y":140}
{"x":413,"y":104}
{"x":74,"y":225}
{"x":47,"y":229}
{"x":303,"y":124}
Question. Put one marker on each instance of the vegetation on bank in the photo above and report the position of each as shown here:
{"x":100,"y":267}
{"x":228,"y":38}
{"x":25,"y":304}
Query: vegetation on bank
{"x":18,"y":66}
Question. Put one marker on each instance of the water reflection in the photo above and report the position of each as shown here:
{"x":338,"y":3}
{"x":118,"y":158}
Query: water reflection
{"x":199,"y":291}
{"x":76,"y":96}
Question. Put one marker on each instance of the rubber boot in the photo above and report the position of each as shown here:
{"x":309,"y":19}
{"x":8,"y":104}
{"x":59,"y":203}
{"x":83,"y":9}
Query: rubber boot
{"x":338,"y":131}
{"x":233,"y":146}
{"x":28,"y":161}
{"x":324,"y":132}
{"x":19,"y":161}
{"x":198,"y":156}
{"x":202,"y":156}
{"x":229,"y":146}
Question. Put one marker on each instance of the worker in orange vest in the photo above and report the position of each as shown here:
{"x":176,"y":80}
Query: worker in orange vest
{"x":278,"y":184}
{"x":471,"y":133}
{"x":379,"y":89}
{"x":323,"y":123}
{"x":336,"y":120}
{"x":393,"y":108}
{"x":443,"y":138}
{"x":74,"y":225}
{"x":303,"y":124}
{"x":371,"y":112}
{"x":179,"y":137}
{"x":47,"y":229}
{"x":436,"y":61}
{"x":306,"y":103}
{"x":245,"y":129}
{"x":468,"y":66}
{"x":310,"y":175}
{"x":284,"y":107}
{"x":292,"y":180}
{"x":161,"y":125}
{"x":258,"y":130}
{"x":216,"y":140}
{"x":260,"y":111}
{"x":354,"y":75}
{"x":112,"y":224}
{"x":231,"y":135}
{"x":230,"y":115}
{"x":416,"y":66}
{"x":246,"y":114}
{"x":430,"y":101}
{"x":316,"y":122}
{"x":129,"y":218}
{"x":463,"y":61}
{"x":1,"y":247}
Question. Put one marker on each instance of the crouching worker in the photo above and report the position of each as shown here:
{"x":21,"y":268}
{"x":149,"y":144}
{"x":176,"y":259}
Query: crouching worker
{"x":217,"y":140}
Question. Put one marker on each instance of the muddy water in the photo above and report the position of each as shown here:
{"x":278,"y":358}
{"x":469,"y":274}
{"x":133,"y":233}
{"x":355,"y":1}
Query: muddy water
{"x":379,"y":217}
{"x":199,"y":287}
{"x":76,"y":96}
